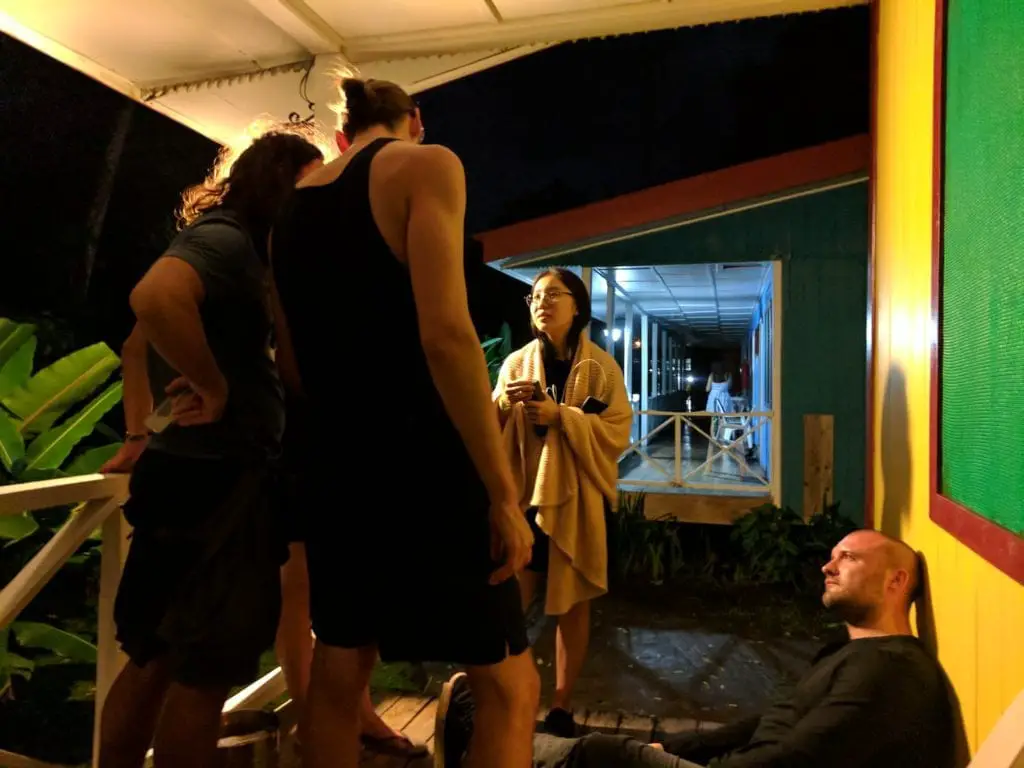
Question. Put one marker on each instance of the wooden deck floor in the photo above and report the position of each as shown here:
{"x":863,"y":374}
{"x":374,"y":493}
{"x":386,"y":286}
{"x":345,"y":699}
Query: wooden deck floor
{"x":414,"y":716}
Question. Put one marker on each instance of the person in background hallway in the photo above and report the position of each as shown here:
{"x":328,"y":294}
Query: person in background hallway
{"x":879,"y":700}
{"x":565,"y":456}
{"x":719,"y":382}
{"x":374,"y":329}
{"x":719,"y":398}
{"x":200,"y":594}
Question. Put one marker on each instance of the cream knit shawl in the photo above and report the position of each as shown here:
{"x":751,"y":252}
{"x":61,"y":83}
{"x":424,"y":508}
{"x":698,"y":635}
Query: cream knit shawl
{"x":570,"y":472}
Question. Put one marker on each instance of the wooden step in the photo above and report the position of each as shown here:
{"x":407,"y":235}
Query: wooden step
{"x":414,"y":715}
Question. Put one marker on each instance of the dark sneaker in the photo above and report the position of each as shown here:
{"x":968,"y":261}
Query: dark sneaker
{"x":454,"y":723}
{"x":560,"y":723}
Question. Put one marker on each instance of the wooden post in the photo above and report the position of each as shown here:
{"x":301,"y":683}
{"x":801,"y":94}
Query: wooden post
{"x":818,"y":460}
{"x":109,"y":658}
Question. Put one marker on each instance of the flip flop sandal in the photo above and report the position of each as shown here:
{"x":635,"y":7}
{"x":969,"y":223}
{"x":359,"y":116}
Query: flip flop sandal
{"x":394,"y":746}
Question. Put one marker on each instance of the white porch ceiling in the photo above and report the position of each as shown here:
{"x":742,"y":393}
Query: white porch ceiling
{"x":711,"y":303}
{"x":222,"y":57}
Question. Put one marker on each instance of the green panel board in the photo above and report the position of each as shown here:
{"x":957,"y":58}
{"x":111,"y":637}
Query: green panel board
{"x":982,"y":402}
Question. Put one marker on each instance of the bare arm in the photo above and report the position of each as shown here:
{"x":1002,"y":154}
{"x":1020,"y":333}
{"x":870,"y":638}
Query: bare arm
{"x":434,"y":242}
{"x":137,"y":399}
{"x":137,"y":402}
{"x":287,"y":365}
{"x":166,"y":304}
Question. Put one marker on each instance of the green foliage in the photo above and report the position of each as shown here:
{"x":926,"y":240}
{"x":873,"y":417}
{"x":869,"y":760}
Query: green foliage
{"x":779,"y":547}
{"x":12,"y":337}
{"x":90,"y":461}
{"x":767,"y":538}
{"x":768,"y":546}
{"x":47,"y":425}
{"x":59,"y":647}
{"x":648,"y":549}
{"x":45,"y":417}
{"x":17,"y":369}
{"x":48,"y":394}
{"x":496,"y":350}
{"x":50,"y":449}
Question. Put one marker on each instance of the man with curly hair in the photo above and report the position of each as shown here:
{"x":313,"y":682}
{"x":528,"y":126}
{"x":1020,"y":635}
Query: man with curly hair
{"x":200,"y":595}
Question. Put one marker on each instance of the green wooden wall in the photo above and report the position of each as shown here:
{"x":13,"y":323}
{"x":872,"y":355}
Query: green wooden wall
{"x":822,"y":241}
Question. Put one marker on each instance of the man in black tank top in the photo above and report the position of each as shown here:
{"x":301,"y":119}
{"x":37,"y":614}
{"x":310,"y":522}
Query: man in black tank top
{"x":370,"y":248}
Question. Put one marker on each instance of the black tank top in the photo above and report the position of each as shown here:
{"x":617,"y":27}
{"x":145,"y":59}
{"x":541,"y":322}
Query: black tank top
{"x":352,"y":318}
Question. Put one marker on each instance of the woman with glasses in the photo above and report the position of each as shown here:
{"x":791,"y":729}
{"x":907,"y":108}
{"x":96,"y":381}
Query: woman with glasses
{"x":566,"y":419}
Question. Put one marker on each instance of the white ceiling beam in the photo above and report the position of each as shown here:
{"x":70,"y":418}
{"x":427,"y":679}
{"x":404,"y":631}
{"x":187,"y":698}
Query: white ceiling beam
{"x":559,"y":27}
{"x":494,"y":10}
{"x":420,"y":74}
{"x":304,"y":25}
{"x":14,"y":28}
{"x":226,"y":79}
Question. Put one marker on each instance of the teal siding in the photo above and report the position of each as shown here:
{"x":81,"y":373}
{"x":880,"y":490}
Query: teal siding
{"x":822,"y":241}
{"x":823,"y":371}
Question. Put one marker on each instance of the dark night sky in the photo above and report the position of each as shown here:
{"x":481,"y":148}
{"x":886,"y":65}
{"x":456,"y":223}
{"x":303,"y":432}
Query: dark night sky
{"x":586,"y":121}
{"x":570,"y":125}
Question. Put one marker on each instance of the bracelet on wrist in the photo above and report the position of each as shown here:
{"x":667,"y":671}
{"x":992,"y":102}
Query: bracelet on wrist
{"x":135,"y":437}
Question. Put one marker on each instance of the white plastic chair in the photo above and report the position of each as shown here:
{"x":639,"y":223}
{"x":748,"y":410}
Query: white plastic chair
{"x":1004,"y":747}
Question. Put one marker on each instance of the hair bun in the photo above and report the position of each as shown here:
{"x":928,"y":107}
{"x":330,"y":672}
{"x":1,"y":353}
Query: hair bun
{"x":367,"y":103}
{"x":358,"y":96}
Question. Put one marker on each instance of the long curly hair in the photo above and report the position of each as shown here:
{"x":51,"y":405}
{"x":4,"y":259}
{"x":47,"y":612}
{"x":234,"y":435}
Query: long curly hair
{"x":253,"y":183}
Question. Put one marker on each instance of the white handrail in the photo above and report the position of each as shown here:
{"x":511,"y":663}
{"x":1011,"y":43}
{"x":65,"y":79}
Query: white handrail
{"x":12,"y":760}
{"x":258,"y":694}
{"x":752,"y":420}
{"x":62,"y":545}
{"x":99,"y":498}
{"x":43,"y":494}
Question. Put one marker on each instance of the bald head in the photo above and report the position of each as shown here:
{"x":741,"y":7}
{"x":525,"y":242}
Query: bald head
{"x":871,"y":574}
{"x":901,"y":557}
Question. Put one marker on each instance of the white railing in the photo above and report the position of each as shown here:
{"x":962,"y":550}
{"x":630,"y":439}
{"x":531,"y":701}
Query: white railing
{"x":727,"y":434}
{"x":98,"y":499}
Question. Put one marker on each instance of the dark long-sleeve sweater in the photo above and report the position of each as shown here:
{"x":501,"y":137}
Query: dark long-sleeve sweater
{"x":876,"y":702}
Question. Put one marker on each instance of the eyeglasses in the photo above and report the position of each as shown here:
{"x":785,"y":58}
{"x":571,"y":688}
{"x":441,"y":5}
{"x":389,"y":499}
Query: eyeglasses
{"x":550,"y":297}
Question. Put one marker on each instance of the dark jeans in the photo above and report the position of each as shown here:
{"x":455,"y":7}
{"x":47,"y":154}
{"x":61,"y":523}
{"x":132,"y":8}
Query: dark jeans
{"x":684,"y":750}
{"x":599,"y":750}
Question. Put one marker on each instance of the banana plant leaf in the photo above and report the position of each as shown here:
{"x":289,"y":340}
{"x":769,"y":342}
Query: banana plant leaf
{"x":50,"y":449}
{"x":31,"y":634}
{"x":90,"y":461}
{"x":48,"y":394}
{"x":11,"y":664}
{"x":17,"y":527}
{"x":12,"y":336}
{"x":16,"y":370}
{"x":12,"y":444}
{"x":487,"y":345}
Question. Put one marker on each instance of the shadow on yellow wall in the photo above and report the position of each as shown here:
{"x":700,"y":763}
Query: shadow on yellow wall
{"x":896,"y":462}
{"x":974,"y":615}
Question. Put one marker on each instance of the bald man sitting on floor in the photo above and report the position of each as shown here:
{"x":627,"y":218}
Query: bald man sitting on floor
{"x":879,"y":700}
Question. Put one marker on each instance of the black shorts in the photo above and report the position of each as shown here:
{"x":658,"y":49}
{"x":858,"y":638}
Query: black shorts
{"x":407,"y":571}
{"x":300,"y":448}
{"x":201,"y":583}
{"x":541,"y":545}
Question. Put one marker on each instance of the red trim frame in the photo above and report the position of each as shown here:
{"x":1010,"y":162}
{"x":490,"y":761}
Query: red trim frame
{"x":683,"y":197}
{"x":872,"y":336}
{"x":999,"y":546}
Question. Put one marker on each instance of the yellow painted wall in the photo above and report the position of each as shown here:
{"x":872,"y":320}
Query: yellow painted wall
{"x":979,"y":612}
